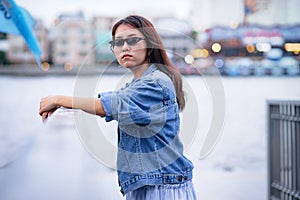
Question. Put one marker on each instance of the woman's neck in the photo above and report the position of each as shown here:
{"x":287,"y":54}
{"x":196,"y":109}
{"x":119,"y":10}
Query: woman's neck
{"x":139,"y":70}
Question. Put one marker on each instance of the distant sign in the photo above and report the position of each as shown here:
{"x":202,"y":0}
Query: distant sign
{"x":258,"y":35}
{"x":224,"y":33}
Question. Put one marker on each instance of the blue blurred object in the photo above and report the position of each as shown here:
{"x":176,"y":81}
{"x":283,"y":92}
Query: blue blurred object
{"x":290,"y":65}
{"x":274,"y":54}
{"x":245,"y":66}
{"x":232,"y":68}
{"x":270,"y":67}
{"x":16,"y":20}
{"x":258,"y":69}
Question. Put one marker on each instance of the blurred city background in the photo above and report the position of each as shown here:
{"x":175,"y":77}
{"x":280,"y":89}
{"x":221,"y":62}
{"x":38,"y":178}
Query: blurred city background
{"x":250,"y":37}
{"x":251,"y":47}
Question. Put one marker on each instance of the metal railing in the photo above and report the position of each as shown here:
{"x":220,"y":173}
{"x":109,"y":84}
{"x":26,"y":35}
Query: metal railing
{"x":284,"y":150}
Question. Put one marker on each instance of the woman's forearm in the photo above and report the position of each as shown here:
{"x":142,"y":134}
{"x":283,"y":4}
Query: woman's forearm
{"x":89,"y":105}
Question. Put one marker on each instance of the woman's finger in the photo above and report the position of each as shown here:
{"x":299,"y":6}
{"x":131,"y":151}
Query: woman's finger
{"x":44,"y":116}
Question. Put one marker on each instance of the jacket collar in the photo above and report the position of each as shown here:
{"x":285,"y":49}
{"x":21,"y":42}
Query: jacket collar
{"x":149,"y":70}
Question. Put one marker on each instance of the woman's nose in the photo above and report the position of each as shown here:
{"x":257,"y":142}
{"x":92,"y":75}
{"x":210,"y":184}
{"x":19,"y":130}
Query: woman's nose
{"x":125,"y":47}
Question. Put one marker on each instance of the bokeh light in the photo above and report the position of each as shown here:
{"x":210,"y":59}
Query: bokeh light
{"x":216,"y":47}
{"x":189,"y":59}
{"x":199,"y":53}
{"x":292,"y":47}
{"x":263,"y":47}
{"x":45,"y":66}
{"x":250,"y":48}
{"x":68,"y":66}
{"x":219,"y":63}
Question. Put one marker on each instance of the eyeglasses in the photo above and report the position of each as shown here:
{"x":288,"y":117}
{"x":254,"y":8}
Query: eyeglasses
{"x":121,"y":42}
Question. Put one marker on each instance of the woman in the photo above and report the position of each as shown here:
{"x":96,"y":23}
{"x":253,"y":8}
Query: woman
{"x":150,"y":161}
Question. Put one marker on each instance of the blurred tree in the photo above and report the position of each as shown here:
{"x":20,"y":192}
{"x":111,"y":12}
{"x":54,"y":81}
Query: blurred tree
{"x":2,"y":36}
{"x":3,"y":59}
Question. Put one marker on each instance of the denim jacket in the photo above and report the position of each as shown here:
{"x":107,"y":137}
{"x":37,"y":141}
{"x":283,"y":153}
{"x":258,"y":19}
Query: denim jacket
{"x":149,"y":149}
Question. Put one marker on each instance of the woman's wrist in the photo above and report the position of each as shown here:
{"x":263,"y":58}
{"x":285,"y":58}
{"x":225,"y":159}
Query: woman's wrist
{"x":56,"y":102}
{"x":59,"y":101}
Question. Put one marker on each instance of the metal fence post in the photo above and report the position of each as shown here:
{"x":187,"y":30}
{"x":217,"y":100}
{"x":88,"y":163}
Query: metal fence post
{"x":283,"y":150}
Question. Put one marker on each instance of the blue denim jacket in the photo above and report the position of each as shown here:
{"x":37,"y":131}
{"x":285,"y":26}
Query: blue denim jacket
{"x":149,"y":149}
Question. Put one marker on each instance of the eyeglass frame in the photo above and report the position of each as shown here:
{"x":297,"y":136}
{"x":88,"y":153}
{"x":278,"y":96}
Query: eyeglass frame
{"x":127,"y":40}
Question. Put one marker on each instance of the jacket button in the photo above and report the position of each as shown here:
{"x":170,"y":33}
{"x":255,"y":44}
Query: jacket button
{"x":179,"y":178}
{"x":186,"y":178}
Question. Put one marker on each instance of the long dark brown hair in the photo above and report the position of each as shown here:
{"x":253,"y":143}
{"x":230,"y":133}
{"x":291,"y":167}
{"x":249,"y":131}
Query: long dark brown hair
{"x":155,"y":51}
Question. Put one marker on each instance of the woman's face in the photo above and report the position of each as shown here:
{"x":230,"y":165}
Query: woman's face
{"x":133,"y":52}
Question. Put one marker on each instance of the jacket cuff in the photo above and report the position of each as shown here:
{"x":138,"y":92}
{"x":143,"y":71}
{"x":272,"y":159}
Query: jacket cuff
{"x":106,"y":99}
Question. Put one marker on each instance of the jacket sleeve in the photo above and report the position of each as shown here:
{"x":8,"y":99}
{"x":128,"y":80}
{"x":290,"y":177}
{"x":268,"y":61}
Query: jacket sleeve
{"x":133,"y":104}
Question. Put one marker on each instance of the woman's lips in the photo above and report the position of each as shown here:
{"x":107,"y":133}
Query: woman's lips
{"x":126,"y":56}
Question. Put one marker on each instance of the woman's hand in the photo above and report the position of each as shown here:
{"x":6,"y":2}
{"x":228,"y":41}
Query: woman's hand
{"x":45,"y":115}
{"x":48,"y":105}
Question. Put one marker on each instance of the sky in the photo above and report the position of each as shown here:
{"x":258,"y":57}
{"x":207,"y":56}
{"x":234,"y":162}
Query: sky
{"x":47,"y":10}
{"x":201,"y":14}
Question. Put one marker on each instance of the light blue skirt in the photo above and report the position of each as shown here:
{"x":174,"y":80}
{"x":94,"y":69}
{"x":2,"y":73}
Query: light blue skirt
{"x":183,"y":191}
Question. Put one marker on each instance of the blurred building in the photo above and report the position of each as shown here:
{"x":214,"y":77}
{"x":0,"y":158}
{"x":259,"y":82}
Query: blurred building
{"x":250,"y":40}
{"x":103,"y":23}
{"x":272,"y":12}
{"x":72,"y":40}
{"x":207,"y":14}
{"x":177,"y":36}
{"x":42,"y":35}
{"x":18,"y":51}
{"x":102,"y":32}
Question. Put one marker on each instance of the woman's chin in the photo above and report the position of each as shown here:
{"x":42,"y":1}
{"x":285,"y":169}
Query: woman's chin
{"x":127,"y":65}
